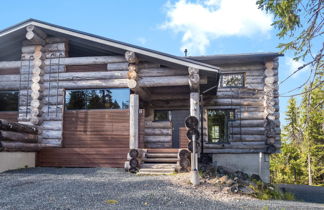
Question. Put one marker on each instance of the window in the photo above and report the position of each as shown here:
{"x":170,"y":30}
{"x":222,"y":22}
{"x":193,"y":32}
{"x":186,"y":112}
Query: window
{"x":232,"y":80}
{"x":9,"y":100}
{"x":161,"y":115}
{"x":218,"y":125}
{"x":97,"y":99}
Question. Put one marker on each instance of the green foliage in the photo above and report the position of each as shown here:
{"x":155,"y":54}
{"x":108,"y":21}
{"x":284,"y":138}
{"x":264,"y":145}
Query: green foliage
{"x":267,"y":192}
{"x":301,"y":160}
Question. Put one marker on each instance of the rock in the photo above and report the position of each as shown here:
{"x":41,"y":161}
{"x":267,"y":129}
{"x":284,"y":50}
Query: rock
{"x":241,"y":175}
{"x":223,"y":179}
{"x":230,"y":182}
{"x":226,"y":190}
{"x":246,"y":190}
{"x":235,"y":189}
{"x":217,"y":189}
{"x":256,"y":177}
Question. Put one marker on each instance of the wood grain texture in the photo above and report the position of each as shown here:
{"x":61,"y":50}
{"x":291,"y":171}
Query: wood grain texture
{"x":183,"y":140}
{"x":93,"y":138}
{"x":10,"y":116}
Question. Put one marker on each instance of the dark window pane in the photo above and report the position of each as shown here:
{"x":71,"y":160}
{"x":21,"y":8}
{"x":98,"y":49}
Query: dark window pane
{"x":217,"y":126}
{"x":232,"y":80}
{"x":97,"y":99}
{"x":75,"y":99}
{"x":9,"y":100}
{"x":161,"y":115}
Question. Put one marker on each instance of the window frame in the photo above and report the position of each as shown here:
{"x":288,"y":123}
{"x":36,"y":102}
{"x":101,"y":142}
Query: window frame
{"x":227,"y":121}
{"x":162,"y":110}
{"x":18,"y":93}
{"x":87,"y":89}
{"x":226,"y":74}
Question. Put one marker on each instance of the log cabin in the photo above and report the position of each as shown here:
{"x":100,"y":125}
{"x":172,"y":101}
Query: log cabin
{"x":97,"y":102}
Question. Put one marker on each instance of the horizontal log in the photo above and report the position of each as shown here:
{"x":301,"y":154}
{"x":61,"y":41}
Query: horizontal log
{"x":55,"y":47}
{"x":157,"y":131}
{"x":170,"y":96}
{"x":233,"y":151}
{"x":109,"y":83}
{"x":157,"y":138}
{"x":87,"y":60}
{"x":240,"y":102}
{"x":158,"y":72}
{"x":17,"y":127}
{"x":158,"y":145}
{"x":11,"y":64}
{"x":117,"y":66}
{"x":236,"y":145}
{"x":163,"y":124}
{"x":76,"y":76}
{"x":145,"y":65}
{"x":167,"y":81}
{"x":242,"y":67}
{"x":56,"y":134}
{"x":18,"y":137}
{"x":19,"y":146}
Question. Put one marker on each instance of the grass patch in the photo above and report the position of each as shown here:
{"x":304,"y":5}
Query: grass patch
{"x":269,"y":192}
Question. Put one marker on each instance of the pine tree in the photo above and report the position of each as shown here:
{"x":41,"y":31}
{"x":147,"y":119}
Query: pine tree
{"x":313,"y":132}
{"x":287,"y":166}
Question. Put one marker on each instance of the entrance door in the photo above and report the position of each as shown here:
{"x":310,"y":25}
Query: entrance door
{"x":177,"y":117}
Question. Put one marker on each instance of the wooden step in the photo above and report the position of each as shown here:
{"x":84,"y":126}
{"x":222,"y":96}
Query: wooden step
{"x":158,"y":166}
{"x":154,"y":173}
{"x":163,"y":150}
{"x":157,"y":170}
{"x":162,"y":155}
{"x":160,"y":160}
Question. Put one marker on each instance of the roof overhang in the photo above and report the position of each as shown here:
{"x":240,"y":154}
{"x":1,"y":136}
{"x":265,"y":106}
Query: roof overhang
{"x":237,"y":58}
{"x":121,"y":46}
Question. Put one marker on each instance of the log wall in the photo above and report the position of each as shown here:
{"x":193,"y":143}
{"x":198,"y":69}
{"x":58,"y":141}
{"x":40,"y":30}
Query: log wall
{"x":247,"y":131}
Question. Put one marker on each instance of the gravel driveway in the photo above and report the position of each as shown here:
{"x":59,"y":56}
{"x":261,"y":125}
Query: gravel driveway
{"x":98,"y":188}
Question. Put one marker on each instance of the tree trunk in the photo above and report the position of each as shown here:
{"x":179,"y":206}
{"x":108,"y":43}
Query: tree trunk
{"x":310,"y":181}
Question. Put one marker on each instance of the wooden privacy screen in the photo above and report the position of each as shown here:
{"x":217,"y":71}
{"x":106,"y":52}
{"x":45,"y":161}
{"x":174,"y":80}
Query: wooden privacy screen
{"x":92,"y":138}
{"x":183,"y":138}
{"x":10,"y":116}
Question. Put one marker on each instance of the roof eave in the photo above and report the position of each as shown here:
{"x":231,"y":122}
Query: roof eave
{"x":105,"y":41}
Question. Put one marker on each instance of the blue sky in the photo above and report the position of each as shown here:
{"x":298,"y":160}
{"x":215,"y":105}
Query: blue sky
{"x":202,"y":26}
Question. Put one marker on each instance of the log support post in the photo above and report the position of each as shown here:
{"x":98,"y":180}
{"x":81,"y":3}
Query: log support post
{"x":194,"y":111}
{"x":270,"y":101}
{"x":133,"y":121}
{"x":133,"y":78}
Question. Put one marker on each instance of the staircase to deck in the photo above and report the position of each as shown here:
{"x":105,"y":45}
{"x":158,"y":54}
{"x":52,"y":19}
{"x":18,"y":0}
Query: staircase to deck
{"x":159,"y":161}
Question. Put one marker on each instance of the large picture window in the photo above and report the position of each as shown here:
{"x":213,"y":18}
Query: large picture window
{"x":218,"y":125}
{"x":97,"y":99}
{"x":234,"y":80}
{"x":9,"y":100}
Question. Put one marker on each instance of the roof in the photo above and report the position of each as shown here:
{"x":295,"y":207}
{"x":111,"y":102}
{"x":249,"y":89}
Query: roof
{"x":236,"y":58}
{"x":12,"y":37}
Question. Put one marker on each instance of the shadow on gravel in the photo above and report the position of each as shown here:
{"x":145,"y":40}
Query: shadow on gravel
{"x":305,"y":193}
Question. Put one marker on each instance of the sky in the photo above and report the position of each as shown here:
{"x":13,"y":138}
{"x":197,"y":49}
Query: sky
{"x":204,"y":27}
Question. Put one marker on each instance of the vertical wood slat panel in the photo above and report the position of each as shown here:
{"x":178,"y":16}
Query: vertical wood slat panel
{"x":92,"y":138}
{"x":183,"y":138}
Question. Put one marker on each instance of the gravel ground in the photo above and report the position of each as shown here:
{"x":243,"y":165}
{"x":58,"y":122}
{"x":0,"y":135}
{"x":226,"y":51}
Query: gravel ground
{"x":93,"y":188}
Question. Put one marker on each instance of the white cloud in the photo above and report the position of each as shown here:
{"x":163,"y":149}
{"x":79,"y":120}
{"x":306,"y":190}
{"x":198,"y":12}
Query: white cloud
{"x":142,"y":40}
{"x":201,"y":22}
{"x":294,"y":65}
